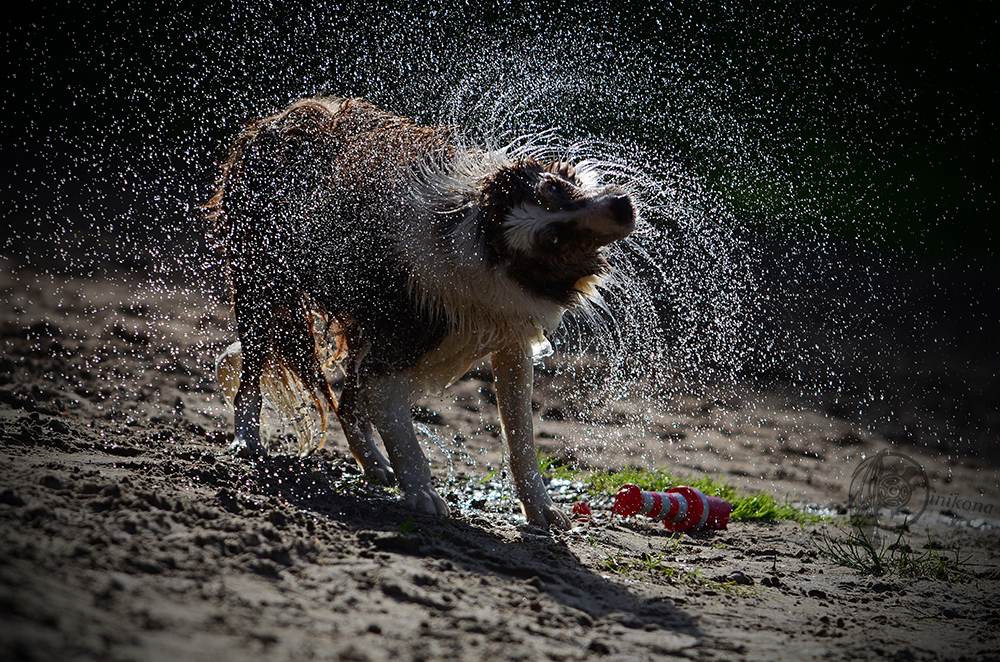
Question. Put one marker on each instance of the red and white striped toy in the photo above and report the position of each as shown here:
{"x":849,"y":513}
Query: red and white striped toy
{"x":682,"y":508}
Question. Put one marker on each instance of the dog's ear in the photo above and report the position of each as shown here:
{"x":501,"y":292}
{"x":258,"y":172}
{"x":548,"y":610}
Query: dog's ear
{"x":501,"y":191}
{"x":511,"y":185}
{"x":508,"y":187}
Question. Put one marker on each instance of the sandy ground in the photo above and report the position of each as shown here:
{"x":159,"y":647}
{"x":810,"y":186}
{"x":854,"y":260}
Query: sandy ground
{"x":128,"y":533}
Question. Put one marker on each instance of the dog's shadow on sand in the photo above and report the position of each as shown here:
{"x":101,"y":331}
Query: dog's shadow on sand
{"x":383,"y":526}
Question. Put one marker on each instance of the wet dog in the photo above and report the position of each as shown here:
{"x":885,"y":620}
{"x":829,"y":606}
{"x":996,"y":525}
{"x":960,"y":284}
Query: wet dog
{"x":404,"y":255}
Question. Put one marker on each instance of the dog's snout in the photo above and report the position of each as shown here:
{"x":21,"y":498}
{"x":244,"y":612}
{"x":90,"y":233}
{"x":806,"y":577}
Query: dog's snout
{"x":622,"y":210}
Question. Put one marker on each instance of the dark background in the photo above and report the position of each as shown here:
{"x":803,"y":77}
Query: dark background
{"x":882,"y":117}
{"x":855,"y":149}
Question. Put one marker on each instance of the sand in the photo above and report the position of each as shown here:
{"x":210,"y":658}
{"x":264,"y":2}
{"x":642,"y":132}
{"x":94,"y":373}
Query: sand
{"x":127,"y":532}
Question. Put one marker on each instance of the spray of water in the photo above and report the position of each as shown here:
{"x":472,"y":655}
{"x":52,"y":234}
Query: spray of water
{"x":702,"y":116}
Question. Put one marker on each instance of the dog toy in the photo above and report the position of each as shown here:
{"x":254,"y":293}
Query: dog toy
{"x":682,"y":508}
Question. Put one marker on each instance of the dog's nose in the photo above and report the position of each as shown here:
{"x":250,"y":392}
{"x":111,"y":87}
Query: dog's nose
{"x":622,"y":211}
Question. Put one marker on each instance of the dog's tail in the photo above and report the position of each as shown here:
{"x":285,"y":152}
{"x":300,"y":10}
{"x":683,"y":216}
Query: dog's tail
{"x":297,"y":396}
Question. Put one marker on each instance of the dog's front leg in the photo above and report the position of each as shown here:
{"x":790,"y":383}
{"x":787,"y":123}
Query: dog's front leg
{"x":514,"y":373}
{"x":388,"y":407}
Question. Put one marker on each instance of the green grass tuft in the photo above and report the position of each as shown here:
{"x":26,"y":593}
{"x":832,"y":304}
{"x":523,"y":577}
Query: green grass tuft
{"x":877,"y":558}
{"x":554,"y":467}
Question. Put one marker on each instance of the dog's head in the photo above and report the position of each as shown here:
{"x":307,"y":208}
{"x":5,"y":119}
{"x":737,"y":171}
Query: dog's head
{"x":548,"y":223}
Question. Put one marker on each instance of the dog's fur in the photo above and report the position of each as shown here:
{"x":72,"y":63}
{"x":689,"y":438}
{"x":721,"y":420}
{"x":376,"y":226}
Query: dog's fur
{"x":420,"y":255}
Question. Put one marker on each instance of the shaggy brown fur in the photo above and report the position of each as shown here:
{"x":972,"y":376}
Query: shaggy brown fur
{"x":345,"y":226}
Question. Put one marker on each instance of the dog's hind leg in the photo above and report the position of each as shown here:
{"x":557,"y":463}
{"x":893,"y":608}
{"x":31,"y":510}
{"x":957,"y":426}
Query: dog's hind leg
{"x":387,"y":400}
{"x":253,"y":320}
{"x":513,"y":372}
{"x":357,"y":429}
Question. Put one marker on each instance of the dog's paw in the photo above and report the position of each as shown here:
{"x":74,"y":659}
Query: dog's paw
{"x":380,"y":472}
{"x":375,"y":466}
{"x":545,"y":516}
{"x":425,"y":500}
